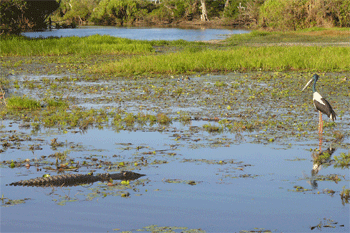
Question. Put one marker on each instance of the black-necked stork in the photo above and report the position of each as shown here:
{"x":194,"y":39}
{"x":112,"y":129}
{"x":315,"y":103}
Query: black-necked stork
{"x":321,"y":104}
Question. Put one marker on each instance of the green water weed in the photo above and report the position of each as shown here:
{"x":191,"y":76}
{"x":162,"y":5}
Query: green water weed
{"x":20,"y":103}
{"x":342,"y":161}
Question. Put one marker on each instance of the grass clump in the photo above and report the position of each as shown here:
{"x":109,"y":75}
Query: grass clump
{"x":18,"y":102}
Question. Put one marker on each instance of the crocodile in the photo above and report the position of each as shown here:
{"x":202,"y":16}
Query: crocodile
{"x":77,"y":179}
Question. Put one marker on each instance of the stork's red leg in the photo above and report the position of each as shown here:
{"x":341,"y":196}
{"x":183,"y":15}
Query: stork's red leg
{"x":320,"y":130}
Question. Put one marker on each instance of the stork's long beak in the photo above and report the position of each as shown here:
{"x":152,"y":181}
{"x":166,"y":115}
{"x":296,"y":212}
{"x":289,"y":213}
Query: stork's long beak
{"x":307,"y":84}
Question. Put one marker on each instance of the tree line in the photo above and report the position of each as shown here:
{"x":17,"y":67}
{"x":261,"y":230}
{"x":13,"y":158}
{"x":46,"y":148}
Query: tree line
{"x":17,"y":15}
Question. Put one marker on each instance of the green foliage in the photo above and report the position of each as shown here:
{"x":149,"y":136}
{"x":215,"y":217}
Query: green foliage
{"x":275,"y":14}
{"x":298,"y":14}
{"x":10,"y":12}
{"x":77,"y":10}
{"x":19,"y":15}
{"x":18,"y":102}
{"x":112,"y":12}
{"x":95,"y":44}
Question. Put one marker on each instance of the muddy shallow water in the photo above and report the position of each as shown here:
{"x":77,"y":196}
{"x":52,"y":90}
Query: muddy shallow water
{"x":252,"y":172}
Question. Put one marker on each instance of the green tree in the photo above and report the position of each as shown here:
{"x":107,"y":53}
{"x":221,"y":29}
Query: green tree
{"x":120,"y":12}
{"x":78,"y":11}
{"x":19,"y":15}
{"x":11,"y":16}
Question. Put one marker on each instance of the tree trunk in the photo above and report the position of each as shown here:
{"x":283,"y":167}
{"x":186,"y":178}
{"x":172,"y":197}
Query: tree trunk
{"x":204,"y":16}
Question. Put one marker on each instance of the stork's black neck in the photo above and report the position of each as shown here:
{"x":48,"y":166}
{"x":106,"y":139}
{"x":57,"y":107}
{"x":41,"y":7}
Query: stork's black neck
{"x":314,"y":87}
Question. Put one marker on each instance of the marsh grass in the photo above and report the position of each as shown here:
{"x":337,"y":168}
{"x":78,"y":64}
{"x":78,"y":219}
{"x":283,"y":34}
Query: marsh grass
{"x":18,"y":102}
{"x":56,"y":103}
{"x":310,"y":35}
{"x":275,"y":58}
{"x":91,"y":45}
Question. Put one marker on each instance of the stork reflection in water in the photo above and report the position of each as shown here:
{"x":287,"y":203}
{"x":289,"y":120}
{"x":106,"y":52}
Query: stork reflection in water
{"x":319,"y":158}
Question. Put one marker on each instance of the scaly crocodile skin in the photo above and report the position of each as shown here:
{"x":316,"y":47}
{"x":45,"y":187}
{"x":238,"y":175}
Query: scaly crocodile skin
{"x":76,"y":179}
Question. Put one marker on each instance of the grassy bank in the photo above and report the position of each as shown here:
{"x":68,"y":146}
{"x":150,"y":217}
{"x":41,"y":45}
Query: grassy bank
{"x":96,"y":44}
{"x":84,"y":46}
{"x":310,"y":35}
{"x":274,"y":58}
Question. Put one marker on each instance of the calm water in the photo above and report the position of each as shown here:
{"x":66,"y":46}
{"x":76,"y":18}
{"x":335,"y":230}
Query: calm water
{"x":221,"y":201}
{"x":142,"y":33}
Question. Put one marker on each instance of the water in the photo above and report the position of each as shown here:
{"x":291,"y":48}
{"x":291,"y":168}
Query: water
{"x":141,"y":33}
{"x":222,"y":200}
{"x":243,"y":179}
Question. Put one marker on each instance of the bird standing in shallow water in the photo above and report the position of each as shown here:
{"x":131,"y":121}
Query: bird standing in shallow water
{"x":321,"y":104}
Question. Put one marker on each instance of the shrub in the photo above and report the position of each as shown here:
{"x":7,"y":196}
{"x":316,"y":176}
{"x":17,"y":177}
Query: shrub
{"x":299,"y":14}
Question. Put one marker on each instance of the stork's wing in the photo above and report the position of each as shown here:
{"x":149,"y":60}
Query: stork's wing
{"x":325,"y":108}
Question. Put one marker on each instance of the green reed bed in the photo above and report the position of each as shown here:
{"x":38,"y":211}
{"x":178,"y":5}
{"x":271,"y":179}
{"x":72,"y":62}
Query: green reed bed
{"x":273,"y":58}
{"x":91,"y":45}
{"x":19,"y":103}
{"x":310,"y":35}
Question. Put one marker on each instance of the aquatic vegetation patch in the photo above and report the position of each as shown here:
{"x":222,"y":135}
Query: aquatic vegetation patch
{"x":84,"y":46}
{"x":56,"y":103}
{"x":6,"y":202}
{"x":326,"y":223}
{"x":134,"y":104}
{"x":342,"y":161}
{"x":257,"y":230}
{"x":156,"y":228}
{"x":20,"y":103}
{"x":345,"y":195}
{"x":179,"y":181}
{"x":238,"y":59}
